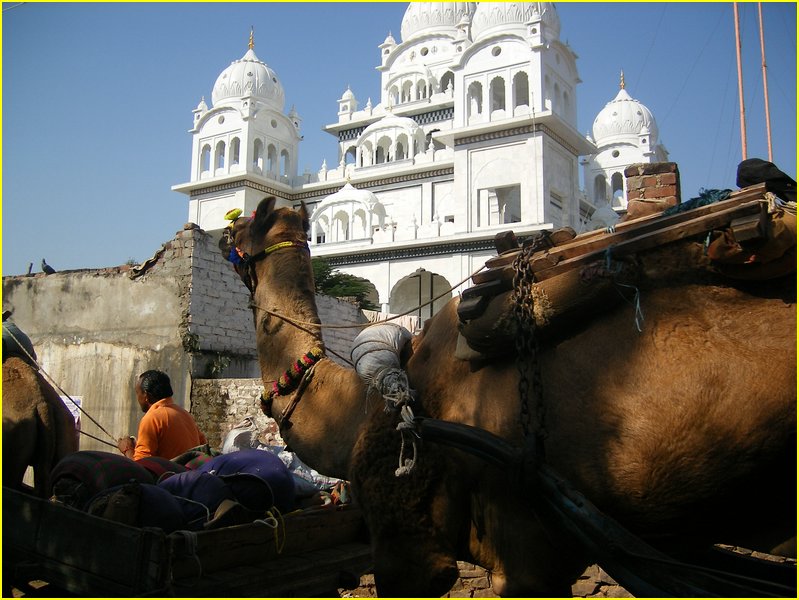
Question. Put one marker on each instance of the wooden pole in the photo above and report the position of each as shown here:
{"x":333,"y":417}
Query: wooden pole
{"x":765,"y":80}
{"x":740,"y":80}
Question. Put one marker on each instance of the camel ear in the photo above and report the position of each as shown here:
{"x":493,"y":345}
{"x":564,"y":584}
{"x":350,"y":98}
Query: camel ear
{"x":306,"y":222}
{"x":226,"y":242}
{"x":261,"y":221}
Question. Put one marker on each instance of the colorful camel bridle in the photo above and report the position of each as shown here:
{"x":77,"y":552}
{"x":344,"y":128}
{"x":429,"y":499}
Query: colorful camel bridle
{"x":294,"y":379}
{"x":243,"y":262}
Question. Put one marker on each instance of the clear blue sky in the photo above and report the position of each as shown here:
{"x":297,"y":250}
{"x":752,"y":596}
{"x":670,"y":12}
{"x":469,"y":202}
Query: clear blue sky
{"x":97,"y":100}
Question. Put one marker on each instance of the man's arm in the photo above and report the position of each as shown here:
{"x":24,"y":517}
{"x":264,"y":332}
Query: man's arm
{"x":126,"y":445}
{"x":147,"y":442}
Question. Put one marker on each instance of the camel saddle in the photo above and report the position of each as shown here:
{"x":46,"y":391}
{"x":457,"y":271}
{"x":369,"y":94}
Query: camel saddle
{"x":748,"y":235}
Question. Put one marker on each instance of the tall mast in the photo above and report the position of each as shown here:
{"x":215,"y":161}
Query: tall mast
{"x":765,"y":80}
{"x":740,"y":81}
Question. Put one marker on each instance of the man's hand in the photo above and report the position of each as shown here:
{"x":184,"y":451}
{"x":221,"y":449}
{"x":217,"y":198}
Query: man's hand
{"x":126,"y":445}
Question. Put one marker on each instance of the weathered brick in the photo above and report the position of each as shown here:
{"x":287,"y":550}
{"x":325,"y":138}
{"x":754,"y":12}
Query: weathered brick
{"x":660,"y":192}
{"x":635,"y":183}
{"x":668,"y":179}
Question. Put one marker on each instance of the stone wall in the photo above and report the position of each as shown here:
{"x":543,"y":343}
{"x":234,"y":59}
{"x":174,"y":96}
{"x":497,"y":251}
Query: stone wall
{"x":183,"y":311}
{"x":475,"y":582}
{"x":93,"y":331}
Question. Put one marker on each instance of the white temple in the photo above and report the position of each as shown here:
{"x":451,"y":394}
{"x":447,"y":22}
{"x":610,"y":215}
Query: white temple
{"x":475,"y":133}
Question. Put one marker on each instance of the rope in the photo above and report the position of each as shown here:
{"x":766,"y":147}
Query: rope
{"x":58,"y":387}
{"x":272,"y":522}
{"x":636,"y":302}
{"x":407,"y":429}
{"x":300,"y":324}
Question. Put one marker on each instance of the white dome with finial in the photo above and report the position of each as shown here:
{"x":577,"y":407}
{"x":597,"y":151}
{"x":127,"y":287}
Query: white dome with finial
{"x":624,"y":119}
{"x":422,"y":18}
{"x":491,"y":17}
{"x":249,"y":76}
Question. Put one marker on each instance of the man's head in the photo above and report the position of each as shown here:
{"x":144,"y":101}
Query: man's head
{"x":152,"y":386}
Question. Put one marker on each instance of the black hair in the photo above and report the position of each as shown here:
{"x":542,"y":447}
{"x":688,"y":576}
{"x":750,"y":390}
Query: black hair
{"x":156,"y":383}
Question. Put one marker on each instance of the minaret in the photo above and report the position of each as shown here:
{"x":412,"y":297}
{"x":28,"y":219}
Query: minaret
{"x":243,"y":137}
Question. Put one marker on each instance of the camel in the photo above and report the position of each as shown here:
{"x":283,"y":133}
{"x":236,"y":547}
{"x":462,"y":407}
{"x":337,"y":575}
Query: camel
{"x":684,"y":432}
{"x":38,"y":429}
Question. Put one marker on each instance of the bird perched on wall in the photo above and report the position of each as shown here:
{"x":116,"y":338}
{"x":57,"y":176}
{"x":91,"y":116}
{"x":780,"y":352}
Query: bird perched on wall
{"x":47,"y":268}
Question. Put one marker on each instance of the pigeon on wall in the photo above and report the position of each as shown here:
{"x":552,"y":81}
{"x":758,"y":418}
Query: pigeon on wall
{"x":47,"y":268}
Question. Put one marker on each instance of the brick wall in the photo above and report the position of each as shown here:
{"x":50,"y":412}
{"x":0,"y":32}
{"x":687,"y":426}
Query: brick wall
{"x":651,"y":188}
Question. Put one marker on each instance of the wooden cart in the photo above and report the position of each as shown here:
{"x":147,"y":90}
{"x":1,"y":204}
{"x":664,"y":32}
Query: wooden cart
{"x":311,"y":553}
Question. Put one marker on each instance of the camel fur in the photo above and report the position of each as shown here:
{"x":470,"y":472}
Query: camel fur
{"x":38,"y":429}
{"x":685,"y":432}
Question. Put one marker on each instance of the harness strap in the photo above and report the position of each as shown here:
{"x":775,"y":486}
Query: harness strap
{"x":296,"y":377}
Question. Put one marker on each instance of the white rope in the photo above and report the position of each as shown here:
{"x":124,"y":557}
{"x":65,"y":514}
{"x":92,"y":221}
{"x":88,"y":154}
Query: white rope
{"x":58,"y":387}
{"x":406,"y":428}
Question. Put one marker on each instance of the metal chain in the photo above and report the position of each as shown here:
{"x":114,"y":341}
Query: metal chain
{"x":527,"y":351}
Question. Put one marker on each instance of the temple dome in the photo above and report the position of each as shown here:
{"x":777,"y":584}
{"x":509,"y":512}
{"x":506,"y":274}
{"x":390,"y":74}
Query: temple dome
{"x":491,"y":17}
{"x":249,"y":76}
{"x":392,"y":122}
{"x":347,"y":194}
{"x":423,"y":18}
{"x":624,"y":119}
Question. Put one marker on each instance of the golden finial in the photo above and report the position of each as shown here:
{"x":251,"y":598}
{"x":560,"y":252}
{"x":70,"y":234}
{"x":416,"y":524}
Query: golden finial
{"x":252,"y":43}
{"x":621,"y":83}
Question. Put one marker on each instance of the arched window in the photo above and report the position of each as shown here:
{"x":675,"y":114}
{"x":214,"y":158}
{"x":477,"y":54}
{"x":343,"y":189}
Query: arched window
{"x":600,"y":190}
{"x":367,"y":154}
{"x":349,"y":156}
{"x":285,"y":163}
{"x":235,"y":151}
{"x":219,"y":156}
{"x":383,"y":150}
{"x":205,"y":158}
{"x":422,"y":90}
{"x":341,"y":227}
{"x":393,"y":95}
{"x":617,"y":183}
{"x":321,"y":227}
{"x":359,"y":221}
{"x":402,"y":142}
{"x":271,"y":160}
{"x":521,"y":90}
{"x":447,"y":82}
{"x":406,"y":91}
{"x":258,"y":155}
{"x":497,"y":94}
{"x":475,"y":99}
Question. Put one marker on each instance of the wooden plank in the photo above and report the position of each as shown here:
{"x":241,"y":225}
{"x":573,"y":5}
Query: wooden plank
{"x":650,"y":240}
{"x":254,"y":543}
{"x":310,"y":574}
{"x":550,"y":258}
{"x":490,"y":288}
{"x":647,"y":223}
{"x":81,"y":553}
{"x":753,"y":192}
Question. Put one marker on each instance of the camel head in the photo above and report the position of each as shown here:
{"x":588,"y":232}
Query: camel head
{"x":247,"y":241}
{"x":270,"y":253}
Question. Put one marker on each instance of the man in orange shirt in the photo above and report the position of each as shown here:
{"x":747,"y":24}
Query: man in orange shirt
{"x":166,"y":429}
